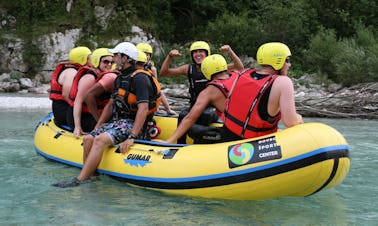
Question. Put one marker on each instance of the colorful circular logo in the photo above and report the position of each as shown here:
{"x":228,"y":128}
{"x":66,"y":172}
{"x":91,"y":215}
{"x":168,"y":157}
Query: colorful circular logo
{"x":241,"y":153}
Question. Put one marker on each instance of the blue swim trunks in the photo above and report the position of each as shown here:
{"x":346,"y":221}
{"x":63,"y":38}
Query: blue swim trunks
{"x":118,"y":130}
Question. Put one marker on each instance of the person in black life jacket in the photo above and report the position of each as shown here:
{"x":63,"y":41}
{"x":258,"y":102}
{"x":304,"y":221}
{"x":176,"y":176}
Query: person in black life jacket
{"x":150,"y":65}
{"x":61,"y":82}
{"x":214,"y":68}
{"x":259,"y":99}
{"x":197,"y":82}
{"x":79,"y":116}
{"x":132,"y":104}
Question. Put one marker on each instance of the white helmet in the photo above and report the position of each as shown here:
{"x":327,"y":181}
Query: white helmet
{"x":126,"y":48}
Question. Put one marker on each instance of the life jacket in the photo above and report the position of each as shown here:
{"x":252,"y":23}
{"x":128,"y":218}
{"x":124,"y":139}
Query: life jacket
{"x":241,"y":107}
{"x":125,"y":100}
{"x":75,"y":85}
{"x":224,"y":85}
{"x":55,"y":87}
{"x":197,"y":83}
{"x":104,"y":98}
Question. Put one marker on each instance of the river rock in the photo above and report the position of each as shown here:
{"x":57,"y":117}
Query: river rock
{"x":358,"y":101}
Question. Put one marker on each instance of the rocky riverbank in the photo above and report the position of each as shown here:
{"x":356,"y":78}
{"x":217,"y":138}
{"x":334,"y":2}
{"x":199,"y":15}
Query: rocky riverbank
{"x":333,"y":101}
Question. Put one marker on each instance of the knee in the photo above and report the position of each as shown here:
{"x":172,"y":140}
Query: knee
{"x":102,"y":140}
{"x":88,"y":139}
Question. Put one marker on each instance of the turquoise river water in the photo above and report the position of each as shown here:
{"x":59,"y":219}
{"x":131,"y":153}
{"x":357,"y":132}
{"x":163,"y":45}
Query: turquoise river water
{"x":26,"y":197}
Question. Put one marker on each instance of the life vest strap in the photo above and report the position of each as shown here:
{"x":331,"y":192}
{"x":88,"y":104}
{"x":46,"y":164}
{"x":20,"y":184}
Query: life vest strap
{"x":248,"y":127}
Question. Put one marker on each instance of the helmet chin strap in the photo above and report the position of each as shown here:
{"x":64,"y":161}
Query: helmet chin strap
{"x":120,"y":66}
{"x":129,"y":59}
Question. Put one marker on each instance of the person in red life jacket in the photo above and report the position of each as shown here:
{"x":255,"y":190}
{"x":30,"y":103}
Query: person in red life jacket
{"x":79,"y":116}
{"x":61,"y":81}
{"x":261,"y":98}
{"x":100,"y":93}
{"x":150,"y":65}
{"x":133,"y":104}
{"x":214,"y":68}
{"x":197,"y":82}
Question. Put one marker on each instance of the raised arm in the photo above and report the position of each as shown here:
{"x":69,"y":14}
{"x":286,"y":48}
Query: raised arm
{"x":166,"y":71}
{"x":236,"y":64}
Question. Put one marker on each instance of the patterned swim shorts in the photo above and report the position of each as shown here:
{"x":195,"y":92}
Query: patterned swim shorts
{"x":118,"y":130}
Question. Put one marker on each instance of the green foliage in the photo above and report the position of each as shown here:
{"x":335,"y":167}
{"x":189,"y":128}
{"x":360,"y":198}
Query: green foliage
{"x":155,"y":17}
{"x":119,"y":23}
{"x":347,"y":61}
{"x":359,"y":58}
{"x":322,"y":48}
{"x":239,"y":27}
{"x":16,"y":75}
{"x":332,"y":38}
{"x":175,"y":62}
{"x":32,"y":56}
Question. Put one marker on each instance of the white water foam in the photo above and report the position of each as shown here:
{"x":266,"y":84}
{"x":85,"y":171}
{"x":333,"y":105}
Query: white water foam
{"x":25,"y":103}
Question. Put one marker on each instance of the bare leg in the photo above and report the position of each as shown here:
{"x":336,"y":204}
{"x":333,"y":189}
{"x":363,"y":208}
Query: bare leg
{"x":87,"y":145}
{"x":94,"y":157}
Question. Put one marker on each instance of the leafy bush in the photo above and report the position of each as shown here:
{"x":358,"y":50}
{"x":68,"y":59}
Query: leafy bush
{"x":325,"y":40}
{"x":358,"y":58}
{"x":322,"y":48}
{"x":32,"y":55}
{"x":347,"y":61}
{"x":238,"y":31}
{"x":175,"y":62}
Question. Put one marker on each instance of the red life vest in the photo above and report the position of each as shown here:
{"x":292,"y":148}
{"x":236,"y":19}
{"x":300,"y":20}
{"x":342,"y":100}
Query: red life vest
{"x":224,"y":85}
{"x":130,"y":101}
{"x":75,"y":85}
{"x":241,"y":107}
{"x":55,"y":87}
{"x":104,"y":98}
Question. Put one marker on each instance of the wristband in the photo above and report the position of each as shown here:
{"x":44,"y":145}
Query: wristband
{"x":132,"y":136}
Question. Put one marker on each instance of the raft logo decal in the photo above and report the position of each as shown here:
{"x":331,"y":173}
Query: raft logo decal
{"x":252,"y":152}
{"x":241,"y":154}
{"x":137,"y":160}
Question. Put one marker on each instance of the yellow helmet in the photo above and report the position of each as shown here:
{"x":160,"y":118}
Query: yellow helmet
{"x":213,"y":64}
{"x":200,"y":45}
{"x":79,"y":55}
{"x":142,"y":57}
{"x":97,"y":54}
{"x":273,"y":54}
{"x":144,"y":47}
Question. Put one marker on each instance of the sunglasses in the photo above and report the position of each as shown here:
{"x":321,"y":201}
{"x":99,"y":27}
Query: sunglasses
{"x":287,"y":60}
{"x":107,"y":61}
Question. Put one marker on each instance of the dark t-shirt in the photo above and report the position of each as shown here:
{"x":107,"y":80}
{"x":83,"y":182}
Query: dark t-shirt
{"x":142,"y":87}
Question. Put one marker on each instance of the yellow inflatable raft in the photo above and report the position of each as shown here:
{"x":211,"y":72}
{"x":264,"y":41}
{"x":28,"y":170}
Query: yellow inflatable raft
{"x":297,"y":161}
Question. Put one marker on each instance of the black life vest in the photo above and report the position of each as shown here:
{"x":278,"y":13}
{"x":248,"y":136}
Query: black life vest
{"x":125,"y":100}
{"x":197,"y":83}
